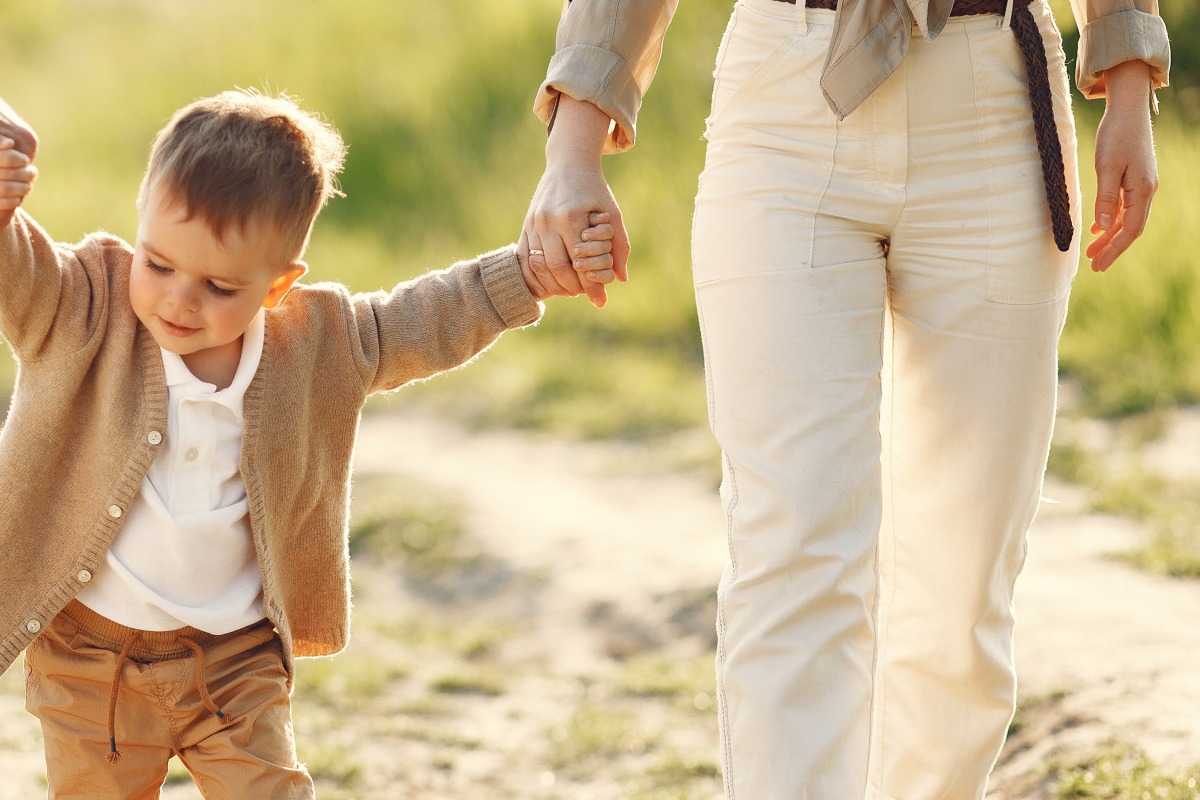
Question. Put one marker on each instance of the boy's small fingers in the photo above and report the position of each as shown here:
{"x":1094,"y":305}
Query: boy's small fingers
{"x":588,"y":249}
{"x":15,"y":188}
{"x":603,"y":231}
{"x":597,"y":217}
{"x":601,"y":275}
{"x":597,"y":261}
{"x":13,"y":159}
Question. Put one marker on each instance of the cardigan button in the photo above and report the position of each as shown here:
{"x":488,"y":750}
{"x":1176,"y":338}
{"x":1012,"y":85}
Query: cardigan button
{"x":84,"y":576}
{"x":33,"y":626}
{"x":154,"y":437}
{"x":114,"y":511}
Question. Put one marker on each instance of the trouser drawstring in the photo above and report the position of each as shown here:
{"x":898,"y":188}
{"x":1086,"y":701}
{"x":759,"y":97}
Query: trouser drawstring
{"x":200,"y":685}
{"x":114,"y":755}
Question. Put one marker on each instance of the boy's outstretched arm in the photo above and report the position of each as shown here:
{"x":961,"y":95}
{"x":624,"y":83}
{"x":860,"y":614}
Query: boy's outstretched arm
{"x":591,"y":257}
{"x":18,"y":146}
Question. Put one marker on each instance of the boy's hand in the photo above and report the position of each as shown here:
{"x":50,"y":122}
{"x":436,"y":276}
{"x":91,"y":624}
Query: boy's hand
{"x":18,"y":146}
{"x":591,"y":257}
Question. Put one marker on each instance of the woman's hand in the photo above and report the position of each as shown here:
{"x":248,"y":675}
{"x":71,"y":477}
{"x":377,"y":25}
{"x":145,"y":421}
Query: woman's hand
{"x":572,"y":187}
{"x":1126,"y":171}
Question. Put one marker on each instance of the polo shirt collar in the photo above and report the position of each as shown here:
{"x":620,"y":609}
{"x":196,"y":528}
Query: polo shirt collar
{"x":181,"y":380}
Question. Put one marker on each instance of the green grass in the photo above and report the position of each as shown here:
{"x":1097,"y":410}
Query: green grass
{"x":397,"y":519}
{"x":1125,"y":773}
{"x":1118,"y":480}
{"x":444,"y":155}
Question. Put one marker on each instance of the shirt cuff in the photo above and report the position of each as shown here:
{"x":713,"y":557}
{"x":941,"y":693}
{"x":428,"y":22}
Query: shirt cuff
{"x":598,"y":76}
{"x":1116,"y":38}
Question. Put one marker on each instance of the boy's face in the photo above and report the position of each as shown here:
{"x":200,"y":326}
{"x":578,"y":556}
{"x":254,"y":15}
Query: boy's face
{"x":196,"y":294}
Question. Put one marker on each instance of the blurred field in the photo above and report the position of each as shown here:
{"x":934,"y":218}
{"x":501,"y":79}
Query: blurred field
{"x":444,"y":154}
{"x":434,"y":101}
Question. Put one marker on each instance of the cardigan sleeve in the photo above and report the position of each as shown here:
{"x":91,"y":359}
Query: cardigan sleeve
{"x":1112,"y":32}
{"x":607,"y":52}
{"x":48,"y":300}
{"x":440,"y":320}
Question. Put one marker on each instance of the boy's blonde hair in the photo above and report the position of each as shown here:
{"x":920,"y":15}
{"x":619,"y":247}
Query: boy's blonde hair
{"x":243,"y":155}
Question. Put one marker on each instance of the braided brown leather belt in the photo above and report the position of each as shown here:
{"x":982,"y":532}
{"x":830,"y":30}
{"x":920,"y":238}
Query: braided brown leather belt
{"x":1045,"y":130}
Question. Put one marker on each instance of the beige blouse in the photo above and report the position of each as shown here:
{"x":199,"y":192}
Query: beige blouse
{"x":608,"y":50}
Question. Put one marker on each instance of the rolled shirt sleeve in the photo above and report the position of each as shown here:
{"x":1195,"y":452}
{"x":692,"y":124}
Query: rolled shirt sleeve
{"x":1112,"y":32}
{"x":607,"y":52}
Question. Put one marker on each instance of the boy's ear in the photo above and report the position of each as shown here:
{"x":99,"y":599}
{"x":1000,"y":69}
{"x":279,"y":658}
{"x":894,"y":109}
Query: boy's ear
{"x":283,"y":282}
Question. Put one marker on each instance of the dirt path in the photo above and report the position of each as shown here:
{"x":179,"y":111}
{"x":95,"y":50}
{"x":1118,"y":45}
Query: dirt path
{"x":597,"y":554}
{"x":1117,"y":649}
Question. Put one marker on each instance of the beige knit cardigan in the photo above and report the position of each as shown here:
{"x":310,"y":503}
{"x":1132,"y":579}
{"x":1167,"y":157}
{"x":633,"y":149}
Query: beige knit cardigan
{"x":89,"y":413}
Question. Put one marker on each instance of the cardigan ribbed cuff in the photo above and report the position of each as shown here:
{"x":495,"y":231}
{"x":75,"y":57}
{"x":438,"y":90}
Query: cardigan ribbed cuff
{"x":502,"y":280}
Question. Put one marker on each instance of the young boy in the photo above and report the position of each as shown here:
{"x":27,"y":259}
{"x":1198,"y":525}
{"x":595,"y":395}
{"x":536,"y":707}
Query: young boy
{"x":175,"y":466}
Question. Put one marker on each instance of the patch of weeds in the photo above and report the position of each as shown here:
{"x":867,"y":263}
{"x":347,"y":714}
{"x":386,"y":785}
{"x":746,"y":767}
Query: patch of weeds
{"x":595,"y":735}
{"x":476,"y":682}
{"x":348,"y":682}
{"x":1135,"y":495}
{"x":1174,"y":548}
{"x":471,"y":641}
{"x":1070,"y":462}
{"x":676,"y":777}
{"x":331,"y":764}
{"x":441,"y":736}
{"x":1173,"y":512}
{"x":424,"y":706}
{"x":1031,"y":707}
{"x":1171,"y":509}
{"x":690,"y":681}
{"x":398,"y":519}
{"x":1125,"y":772}
{"x":177,"y":772}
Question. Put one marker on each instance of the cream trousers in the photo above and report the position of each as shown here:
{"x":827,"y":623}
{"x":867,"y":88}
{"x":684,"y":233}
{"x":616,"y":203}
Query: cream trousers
{"x":880,"y":300}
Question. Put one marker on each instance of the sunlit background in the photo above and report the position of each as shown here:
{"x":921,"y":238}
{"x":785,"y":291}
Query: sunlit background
{"x":434,"y":100}
{"x":444,"y":154}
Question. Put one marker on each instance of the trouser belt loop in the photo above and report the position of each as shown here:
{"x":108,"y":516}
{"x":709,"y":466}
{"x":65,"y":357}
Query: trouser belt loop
{"x":802,"y":19}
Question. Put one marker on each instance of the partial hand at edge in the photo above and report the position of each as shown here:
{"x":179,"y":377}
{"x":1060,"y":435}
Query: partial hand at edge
{"x":18,"y":147}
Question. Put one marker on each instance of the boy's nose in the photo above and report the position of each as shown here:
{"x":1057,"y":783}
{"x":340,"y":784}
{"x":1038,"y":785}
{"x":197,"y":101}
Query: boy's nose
{"x":183,"y":297}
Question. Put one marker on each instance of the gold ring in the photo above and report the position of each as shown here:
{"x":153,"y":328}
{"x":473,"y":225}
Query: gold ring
{"x":534,"y":252}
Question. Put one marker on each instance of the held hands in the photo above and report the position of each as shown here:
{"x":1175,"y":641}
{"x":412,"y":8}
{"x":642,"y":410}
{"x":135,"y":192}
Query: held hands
{"x":1126,"y":171}
{"x":591,"y":259}
{"x":18,"y":146}
{"x":572,"y":187}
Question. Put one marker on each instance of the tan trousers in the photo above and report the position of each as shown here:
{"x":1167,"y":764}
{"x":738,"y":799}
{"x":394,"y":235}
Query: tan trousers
{"x":880,"y":299}
{"x":115,"y":704}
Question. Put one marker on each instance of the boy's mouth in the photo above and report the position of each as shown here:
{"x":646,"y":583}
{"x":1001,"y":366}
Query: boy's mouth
{"x":176,"y":330}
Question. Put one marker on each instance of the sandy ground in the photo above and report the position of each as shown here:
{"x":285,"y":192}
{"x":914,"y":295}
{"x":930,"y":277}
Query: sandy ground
{"x":602,"y":552}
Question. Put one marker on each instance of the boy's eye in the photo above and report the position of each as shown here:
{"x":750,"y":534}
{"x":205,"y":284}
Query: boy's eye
{"x":160,"y":269}
{"x":221,"y":291}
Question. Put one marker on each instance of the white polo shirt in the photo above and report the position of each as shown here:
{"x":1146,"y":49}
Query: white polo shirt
{"x":184,"y":556}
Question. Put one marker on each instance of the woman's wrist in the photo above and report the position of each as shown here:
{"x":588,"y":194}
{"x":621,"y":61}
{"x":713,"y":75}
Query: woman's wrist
{"x":1127,"y":85}
{"x":579,"y":132}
